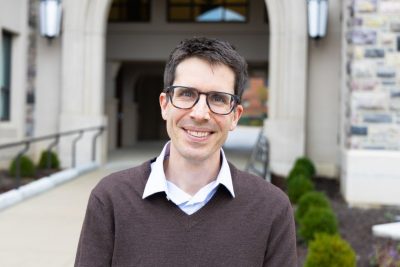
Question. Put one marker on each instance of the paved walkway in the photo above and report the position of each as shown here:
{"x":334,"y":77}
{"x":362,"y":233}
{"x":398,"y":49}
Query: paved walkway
{"x":44,"y":230}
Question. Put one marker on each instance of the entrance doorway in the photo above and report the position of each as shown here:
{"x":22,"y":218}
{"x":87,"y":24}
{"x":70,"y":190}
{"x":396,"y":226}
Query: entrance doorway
{"x":138,"y":86}
{"x":150,"y":124}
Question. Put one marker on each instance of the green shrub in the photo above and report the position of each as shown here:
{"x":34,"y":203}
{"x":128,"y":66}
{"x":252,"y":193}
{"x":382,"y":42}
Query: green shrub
{"x":307,"y":163}
{"x":299,"y":170}
{"x":54,"y":161}
{"x":308,"y":200}
{"x":330,"y":251}
{"x":298,"y":186}
{"x":27,"y":168}
{"x":317,"y":220}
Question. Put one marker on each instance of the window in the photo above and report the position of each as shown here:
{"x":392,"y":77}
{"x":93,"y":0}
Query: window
{"x":130,"y":11}
{"x":208,"y":10}
{"x":5,"y":75}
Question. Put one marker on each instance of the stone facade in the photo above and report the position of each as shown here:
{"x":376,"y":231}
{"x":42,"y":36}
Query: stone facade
{"x":373,"y":74}
{"x":31,"y":71}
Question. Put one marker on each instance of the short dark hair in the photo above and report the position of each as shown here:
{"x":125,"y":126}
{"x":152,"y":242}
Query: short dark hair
{"x":213,"y":51}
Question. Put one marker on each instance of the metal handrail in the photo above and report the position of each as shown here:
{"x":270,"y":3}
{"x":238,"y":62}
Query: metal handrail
{"x":27,"y":142}
{"x":74,"y":148}
{"x":259,"y":159}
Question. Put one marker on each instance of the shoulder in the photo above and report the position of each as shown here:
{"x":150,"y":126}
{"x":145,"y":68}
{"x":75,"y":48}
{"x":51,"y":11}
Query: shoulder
{"x":125,"y":182}
{"x":251,"y":187}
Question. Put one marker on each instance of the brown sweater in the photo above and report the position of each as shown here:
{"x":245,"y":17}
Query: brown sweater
{"x":255,"y":228}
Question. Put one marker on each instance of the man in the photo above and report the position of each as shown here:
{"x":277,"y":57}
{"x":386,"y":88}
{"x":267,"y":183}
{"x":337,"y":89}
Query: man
{"x":189,"y":206}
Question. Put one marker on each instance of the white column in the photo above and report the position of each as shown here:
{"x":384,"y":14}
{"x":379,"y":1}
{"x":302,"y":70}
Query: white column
{"x":83,"y":75}
{"x":48,"y":86}
{"x":285,"y":127}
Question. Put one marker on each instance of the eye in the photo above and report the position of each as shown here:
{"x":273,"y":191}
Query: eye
{"x":185,"y":92}
{"x":219,"y":98}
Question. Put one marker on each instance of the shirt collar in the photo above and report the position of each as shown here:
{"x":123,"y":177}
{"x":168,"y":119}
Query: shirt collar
{"x":157,"y":181}
{"x":224,"y":176}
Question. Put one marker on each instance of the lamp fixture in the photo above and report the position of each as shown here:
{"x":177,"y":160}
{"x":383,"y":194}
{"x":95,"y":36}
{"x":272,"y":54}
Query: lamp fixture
{"x":50,"y":18}
{"x":317,"y":18}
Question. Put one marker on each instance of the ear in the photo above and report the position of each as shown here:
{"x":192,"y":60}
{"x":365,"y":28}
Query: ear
{"x":237,"y":113}
{"x":163,"y":104}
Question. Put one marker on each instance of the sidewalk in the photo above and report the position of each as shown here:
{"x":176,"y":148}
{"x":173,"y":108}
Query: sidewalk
{"x":43,"y":231}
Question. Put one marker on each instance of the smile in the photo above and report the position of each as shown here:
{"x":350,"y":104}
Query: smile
{"x":198,"y":134}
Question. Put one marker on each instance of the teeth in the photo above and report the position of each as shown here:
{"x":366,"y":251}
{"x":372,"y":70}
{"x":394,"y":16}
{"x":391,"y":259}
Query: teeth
{"x":198,"y":134}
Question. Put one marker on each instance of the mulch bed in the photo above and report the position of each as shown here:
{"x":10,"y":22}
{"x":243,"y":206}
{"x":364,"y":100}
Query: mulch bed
{"x":355,"y":224}
{"x":8,"y":182}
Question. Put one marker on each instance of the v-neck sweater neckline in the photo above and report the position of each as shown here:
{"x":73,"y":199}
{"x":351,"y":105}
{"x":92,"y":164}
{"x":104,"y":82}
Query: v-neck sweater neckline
{"x":221,"y":197}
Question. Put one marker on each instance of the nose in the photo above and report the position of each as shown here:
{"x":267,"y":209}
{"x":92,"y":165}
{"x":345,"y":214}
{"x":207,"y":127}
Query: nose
{"x":200,"y":111}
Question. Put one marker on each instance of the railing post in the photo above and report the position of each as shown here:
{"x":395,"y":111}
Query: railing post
{"x":101,"y":129}
{"x":74,"y":148}
{"x":18,"y":164}
{"x":48,"y":163}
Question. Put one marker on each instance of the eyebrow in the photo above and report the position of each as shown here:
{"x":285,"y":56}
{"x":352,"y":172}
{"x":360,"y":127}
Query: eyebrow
{"x":212,"y":91}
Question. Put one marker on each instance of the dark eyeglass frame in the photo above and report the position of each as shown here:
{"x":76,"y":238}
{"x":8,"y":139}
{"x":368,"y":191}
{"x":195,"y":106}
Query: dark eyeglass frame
{"x":170,"y":91}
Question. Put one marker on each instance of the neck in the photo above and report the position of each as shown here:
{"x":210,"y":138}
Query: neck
{"x":191,"y":175}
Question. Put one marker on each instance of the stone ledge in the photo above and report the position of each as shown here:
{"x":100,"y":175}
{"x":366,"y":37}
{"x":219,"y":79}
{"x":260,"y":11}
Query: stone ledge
{"x":388,"y":230}
{"x":10,"y":198}
{"x":370,"y":177}
{"x":243,"y":137}
{"x":44,"y":184}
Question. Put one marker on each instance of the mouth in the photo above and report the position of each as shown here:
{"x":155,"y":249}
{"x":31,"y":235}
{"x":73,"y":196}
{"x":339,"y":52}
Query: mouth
{"x":200,"y":134}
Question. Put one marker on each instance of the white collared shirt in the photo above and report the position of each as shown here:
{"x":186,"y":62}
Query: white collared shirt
{"x":157,"y":182}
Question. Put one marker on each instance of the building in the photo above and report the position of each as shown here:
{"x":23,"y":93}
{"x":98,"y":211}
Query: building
{"x":335,"y":100}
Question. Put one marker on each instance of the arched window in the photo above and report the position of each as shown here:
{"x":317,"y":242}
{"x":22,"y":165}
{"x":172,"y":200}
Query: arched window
{"x":207,"y":10}
{"x":130,"y":11}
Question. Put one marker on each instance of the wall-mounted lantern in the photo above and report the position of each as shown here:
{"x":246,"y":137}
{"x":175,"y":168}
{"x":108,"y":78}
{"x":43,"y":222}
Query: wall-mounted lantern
{"x":50,"y":18}
{"x":317,"y":18}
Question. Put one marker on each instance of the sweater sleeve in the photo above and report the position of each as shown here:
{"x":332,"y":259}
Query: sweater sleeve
{"x":96,"y":241}
{"x":281,"y":247}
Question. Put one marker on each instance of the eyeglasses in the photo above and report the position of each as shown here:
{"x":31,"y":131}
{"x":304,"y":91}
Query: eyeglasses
{"x":183,"y":97}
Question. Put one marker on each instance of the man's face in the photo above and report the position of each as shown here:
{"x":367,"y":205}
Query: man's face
{"x":197,"y":134}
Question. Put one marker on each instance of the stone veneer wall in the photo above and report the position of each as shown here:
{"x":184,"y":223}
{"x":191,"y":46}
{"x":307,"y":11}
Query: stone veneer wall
{"x":31,"y":66}
{"x":373,"y":74}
